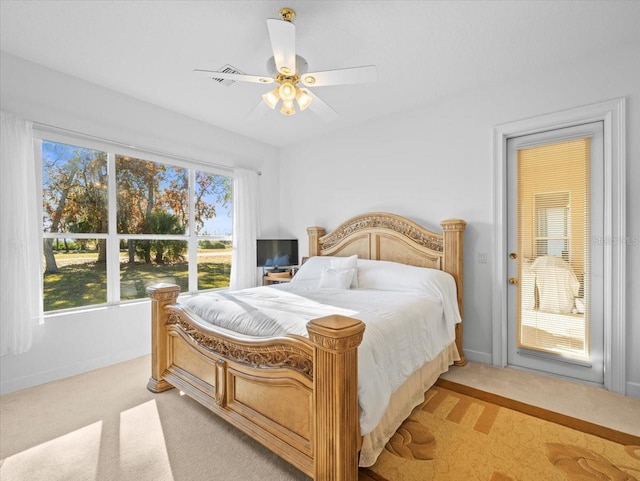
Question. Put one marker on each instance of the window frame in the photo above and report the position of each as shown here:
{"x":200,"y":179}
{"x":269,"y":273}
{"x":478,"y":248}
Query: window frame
{"x":541,"y":201}
{"x":112,"y":237}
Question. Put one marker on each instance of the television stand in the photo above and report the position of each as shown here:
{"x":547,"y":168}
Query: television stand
{"x":269,"y":280}
{"x":277,"y":275}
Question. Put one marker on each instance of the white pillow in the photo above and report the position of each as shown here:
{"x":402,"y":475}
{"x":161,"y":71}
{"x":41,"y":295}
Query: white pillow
{"x":347,"y":263}
{"x":393,"y":276}
{"x":336,"y":278}
{"x":312,"y":269}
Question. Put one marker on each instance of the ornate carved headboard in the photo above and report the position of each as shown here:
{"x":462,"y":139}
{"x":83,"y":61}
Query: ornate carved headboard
{"x":390,"y":237}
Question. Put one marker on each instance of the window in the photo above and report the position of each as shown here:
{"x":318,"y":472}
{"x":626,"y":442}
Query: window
{"x":114,"y":224}
{"x":552,"y":224}
{"x":553,"y":199}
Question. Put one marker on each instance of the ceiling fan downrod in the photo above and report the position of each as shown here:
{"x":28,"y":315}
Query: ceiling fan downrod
{"x":287,"y":14}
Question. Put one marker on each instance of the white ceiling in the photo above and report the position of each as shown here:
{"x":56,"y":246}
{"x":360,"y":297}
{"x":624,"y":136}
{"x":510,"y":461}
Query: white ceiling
{"x":424,"y":50}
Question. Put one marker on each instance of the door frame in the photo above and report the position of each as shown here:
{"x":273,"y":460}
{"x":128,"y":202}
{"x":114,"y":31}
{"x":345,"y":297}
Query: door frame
{"x":612,"y":114}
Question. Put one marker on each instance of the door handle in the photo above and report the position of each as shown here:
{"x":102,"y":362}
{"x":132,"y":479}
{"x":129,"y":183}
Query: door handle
{"x":513,"y":280}
{"x":513,"y":255}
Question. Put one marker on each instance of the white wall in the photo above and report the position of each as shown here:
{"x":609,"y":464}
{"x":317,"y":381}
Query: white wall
{"x":436,"y":162}
{"x":428,"y":164}
{"x":68,"y":344}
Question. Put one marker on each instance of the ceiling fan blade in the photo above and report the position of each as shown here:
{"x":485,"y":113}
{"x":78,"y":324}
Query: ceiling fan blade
{"x":283,"y":43}
{"x":368,"y":73}
{"x":212,"y":74}
{"x":321,"y":109}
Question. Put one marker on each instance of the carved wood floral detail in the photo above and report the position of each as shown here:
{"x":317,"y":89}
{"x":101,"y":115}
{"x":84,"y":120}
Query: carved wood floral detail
{"x":397,"y":225}
{"x":163,"y":295}
{"x":337,"y":344}
{"x":269,"y":356}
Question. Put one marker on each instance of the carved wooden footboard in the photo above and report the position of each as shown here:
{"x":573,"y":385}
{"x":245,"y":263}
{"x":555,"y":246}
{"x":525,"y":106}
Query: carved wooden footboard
{"x":295,"y":395}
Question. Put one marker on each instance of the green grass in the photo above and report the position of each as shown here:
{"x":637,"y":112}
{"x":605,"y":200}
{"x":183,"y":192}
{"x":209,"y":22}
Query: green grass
{"x":135,"y":278}
{"x":85,"y":283}
{"x":76,"y":285}
{"x":213,"y":275}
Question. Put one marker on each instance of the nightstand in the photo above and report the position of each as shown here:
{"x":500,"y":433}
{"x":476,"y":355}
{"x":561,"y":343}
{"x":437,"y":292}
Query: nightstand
{"x":268,"y":280}
{"x":280,"y":276}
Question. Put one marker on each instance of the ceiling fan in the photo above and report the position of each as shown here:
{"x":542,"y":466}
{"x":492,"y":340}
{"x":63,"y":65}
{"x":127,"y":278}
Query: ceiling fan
{"x":290,"y":72}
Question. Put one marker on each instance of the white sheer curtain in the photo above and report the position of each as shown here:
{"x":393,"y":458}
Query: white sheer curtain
{"x":20,"y":257}
{"x":245,"y":229}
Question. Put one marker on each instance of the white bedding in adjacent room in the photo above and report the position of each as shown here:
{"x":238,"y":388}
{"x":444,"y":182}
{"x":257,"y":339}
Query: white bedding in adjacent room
{"x":404,"y":328}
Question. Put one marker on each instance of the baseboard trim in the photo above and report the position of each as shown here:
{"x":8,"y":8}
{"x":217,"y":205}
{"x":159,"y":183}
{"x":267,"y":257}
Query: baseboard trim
{"x":633,"y":389}
{"x":43,"y":377}
{"x":477,"y":356}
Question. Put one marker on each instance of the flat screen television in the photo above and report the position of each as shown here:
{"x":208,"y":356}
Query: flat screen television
{"x":277,"y":252}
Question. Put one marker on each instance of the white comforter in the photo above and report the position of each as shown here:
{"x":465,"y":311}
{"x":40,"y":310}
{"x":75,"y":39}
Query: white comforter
{"x":404,"y":329}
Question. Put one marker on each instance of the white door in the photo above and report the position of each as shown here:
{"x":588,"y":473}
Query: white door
{"x":555,"y":183}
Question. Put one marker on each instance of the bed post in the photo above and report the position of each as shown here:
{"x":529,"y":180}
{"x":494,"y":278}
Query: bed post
{"x":335,"y":397}
{"x":314,"y":234}
{"x":453,"y":230}
{"x":161,"y":296}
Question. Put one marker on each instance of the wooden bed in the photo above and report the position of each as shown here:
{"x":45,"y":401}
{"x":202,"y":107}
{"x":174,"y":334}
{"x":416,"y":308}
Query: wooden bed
{"x":295,"y":395}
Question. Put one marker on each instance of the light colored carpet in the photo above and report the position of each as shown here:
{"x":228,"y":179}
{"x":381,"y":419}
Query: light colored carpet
{"x":105,"y":425}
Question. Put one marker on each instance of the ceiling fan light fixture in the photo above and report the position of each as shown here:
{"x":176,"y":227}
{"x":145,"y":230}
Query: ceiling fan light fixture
{"x":271,"y":98}
{"x":287,"y":91}
{"x":290,"y":72}
{"x":303,"y":98}
{"x":287,"y":108}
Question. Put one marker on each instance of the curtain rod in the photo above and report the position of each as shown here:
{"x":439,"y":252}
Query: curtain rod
{"x":59,"y":130}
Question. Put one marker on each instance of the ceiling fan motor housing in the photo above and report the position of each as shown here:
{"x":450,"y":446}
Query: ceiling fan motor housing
{"x":302,"y":67}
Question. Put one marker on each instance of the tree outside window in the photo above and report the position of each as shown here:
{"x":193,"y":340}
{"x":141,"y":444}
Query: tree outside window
{"x":154,"y":205}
